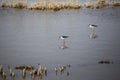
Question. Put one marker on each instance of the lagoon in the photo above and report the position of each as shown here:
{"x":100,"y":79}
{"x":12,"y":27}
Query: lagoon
{"x":31,"y":37}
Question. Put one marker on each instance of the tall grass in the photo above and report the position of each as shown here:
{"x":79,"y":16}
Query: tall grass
{"x":18,"y":3}
{"x":100,"y":4}
{"x":88,"y":4}
{"x":55,"y":5}
{"x":3,"y":3}
{"x":114,"y":3}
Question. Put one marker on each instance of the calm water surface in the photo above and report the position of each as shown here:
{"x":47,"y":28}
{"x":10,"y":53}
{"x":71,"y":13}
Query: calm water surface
{"x":31,"y":37}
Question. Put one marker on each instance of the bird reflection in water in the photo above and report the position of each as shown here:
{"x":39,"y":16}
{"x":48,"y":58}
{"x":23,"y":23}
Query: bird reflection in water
{"x":63,"y":46}
{"x":92,"y":35}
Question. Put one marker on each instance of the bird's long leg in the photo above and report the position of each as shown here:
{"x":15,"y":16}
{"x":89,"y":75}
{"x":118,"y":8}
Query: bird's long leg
{"x":63,"y":42}
{"x":93,"y":31}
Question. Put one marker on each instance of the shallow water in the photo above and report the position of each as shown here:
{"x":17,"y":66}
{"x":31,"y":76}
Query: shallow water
{"x":31,"y":37}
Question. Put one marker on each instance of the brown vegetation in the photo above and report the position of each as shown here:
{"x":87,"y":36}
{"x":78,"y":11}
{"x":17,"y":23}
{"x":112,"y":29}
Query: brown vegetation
{"x":18,"y":4}
{"x":27,"y":67}
{"x":55,"y":5}
{"x":105,"y":62}
{"x":114,"y":3}
{"x":100,"y":4}
{"x":3,"y":3}
{"x":88,"y":4}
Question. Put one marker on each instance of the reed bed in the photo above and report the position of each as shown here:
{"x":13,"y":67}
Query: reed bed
{"x":100,"y":4}
{"x":88,"y":4}
{"x":3,"y":3}
{"x":55,"y":5}
{"x":114,"y":3}
{"x":18,"y":3}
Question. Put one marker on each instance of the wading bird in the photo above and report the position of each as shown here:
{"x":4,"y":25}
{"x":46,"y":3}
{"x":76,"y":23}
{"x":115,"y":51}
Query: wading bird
{"x":93,"y":26}
{"x":63,"y":39}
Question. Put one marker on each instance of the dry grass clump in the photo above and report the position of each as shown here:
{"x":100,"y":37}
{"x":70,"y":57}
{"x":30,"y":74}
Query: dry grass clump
{"x":115,"y":3}
{"x":72,"y":5}
{"x":54,"y":5}
{"x":38,"y":5}
{"x":88,"y":4}
{"x":18,"y":4}
{"x":3,"y":3}
{"x":100,"y":4}
{"x":105,"y":62}
{"x":49,"y":5}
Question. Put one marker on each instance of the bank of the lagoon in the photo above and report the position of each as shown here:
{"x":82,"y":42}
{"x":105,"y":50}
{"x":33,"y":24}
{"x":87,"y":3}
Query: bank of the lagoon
{"x":32,"y":37}
{"x":58,"y":5}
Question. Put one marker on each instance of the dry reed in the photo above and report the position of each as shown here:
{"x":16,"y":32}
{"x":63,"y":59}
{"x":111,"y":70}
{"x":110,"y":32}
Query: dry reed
{"x":115,"y":3}
{"x":55,"y":5}
{"x":18,"y":3}
{"x":100,"y":4}
{"x":88,"y":4}
{"x":3,"y":3}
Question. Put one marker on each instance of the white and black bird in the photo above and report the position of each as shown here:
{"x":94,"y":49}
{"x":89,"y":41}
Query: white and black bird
{"x":63,"y":37}
{"x":92,"y":26}
{"x":63,"y":46}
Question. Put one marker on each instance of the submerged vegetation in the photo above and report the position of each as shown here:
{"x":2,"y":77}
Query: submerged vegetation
{"x":105,"y":62}
{"x":55,"y":5}
{"x":34,"y":72}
